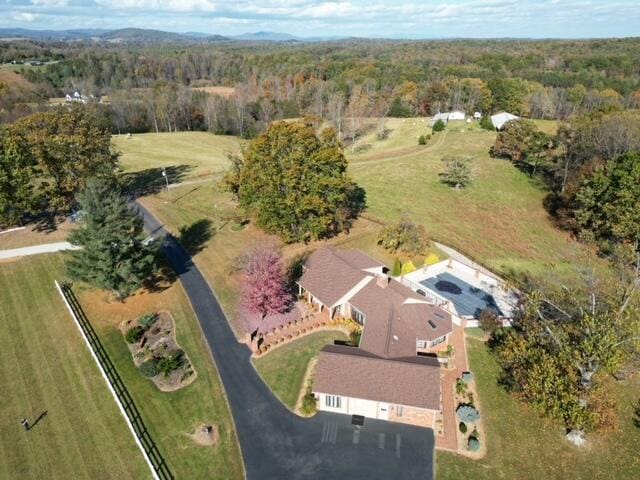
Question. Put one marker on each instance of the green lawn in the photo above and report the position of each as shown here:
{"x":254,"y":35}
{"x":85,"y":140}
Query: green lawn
{"x":45,"y":366}
{"x":172,"y":417}
{"x":523,"y":445}
{"x":284,"y":368}
{"x":202,"y":153}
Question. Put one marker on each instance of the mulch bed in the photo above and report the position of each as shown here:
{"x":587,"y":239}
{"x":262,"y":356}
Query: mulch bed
{"x":159,"y":341}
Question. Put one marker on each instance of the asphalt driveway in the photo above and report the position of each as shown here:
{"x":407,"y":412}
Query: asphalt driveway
{"x":275,"y":443}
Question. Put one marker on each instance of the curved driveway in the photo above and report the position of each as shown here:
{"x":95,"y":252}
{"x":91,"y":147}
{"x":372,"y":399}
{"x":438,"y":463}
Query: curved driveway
{"x":275,"y":443}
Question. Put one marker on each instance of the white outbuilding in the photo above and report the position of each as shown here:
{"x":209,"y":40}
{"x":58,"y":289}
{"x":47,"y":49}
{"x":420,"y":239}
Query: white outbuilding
{"x":477,"y":115}
{"x":456,"y":115}
{"x":499,"y":119}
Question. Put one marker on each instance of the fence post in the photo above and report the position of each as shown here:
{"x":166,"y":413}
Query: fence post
{"x":155,"y":470}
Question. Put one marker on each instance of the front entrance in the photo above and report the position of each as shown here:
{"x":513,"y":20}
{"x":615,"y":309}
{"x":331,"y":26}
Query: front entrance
{"x":383,"y":411}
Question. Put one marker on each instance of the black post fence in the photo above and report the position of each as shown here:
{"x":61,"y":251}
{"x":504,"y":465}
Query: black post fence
{"x":154,"y":458}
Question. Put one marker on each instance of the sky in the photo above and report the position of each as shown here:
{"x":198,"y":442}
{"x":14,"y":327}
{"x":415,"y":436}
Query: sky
{"x":363,"y":18}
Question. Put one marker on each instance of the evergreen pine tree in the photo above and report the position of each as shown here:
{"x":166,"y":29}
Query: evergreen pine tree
{"x":113,"y":256}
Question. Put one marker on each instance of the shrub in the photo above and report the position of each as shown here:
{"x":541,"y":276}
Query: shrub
{"x":171,"y":362}
{"x":431,"y":259}
{"x":461,"y":387}
{"x":354,"y":338}
{"x":147,"y":320}
{"x":457,"y":173}
{"x":149,"y":368}
{"x":485,"y":123}
{"x":463,"y":427}
{"x":438,"y":126}
{"x":408,"y":267}
{"x":309,"y":403}
{"x":422,"y":140}
{"x":134,"y":334}
{"x":468,"y":413}
{"x":467,"y":377}
{"x":404,"y":236}
{"x":397,"y":268}
{"x":489,"y":321}
{"x":474,"y":444}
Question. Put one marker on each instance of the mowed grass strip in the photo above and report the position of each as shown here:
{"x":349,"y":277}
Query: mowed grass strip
{"x":172,"y":417}
{"x":203,"y":153}
{"x":284,"y":368}
{"x":523,"y":445}
{"x":45,"y":367}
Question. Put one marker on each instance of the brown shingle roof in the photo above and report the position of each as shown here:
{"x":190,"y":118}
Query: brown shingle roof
{"x":393,"y":324}
{"x":330,"y":273}
{"x":352,"y":372}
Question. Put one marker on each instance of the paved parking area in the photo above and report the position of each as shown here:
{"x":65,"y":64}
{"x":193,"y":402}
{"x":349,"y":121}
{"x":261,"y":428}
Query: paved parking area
{"x":277,"y":444}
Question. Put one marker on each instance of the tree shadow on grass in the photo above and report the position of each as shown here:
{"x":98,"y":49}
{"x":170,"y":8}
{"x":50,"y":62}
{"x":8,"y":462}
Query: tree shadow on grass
{"x":194,"y":237}
{"x":151,"y":180}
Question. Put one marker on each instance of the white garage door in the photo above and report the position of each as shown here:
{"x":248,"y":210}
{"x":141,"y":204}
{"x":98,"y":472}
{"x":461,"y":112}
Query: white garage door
{"x":366,"y":408}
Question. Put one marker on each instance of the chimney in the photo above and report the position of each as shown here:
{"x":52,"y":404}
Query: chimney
{"x":382,"y":280}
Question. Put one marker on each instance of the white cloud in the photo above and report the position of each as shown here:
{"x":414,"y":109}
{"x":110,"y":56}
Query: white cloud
{"x":24,"y":16}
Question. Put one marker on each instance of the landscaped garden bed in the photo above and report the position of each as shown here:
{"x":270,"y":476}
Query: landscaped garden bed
{"x":471,"y":435}
{"x":152,"y":342}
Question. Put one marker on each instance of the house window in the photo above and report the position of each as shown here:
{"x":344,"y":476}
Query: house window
{"x":333,"y":401}
{"x":438,"y":340}
{"x":421,"y":344}
{"x":357,"y":315}
{"x":399,"y":410}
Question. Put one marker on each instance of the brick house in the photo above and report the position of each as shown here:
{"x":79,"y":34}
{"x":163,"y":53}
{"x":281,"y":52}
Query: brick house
{"x":393,"y":373}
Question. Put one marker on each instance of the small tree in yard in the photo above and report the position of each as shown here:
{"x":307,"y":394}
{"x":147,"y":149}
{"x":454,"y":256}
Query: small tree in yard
{"x":113,"y":255}
{"x":404,"y":236}
{"x":457,"y":172}
{"x":397,"y":268}
{"x":265,"y":283}
{"x":438,"y":126}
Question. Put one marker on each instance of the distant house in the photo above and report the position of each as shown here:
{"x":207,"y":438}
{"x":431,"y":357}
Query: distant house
{"x":390,"y":375}
{"x":500,"y":119}
{"x":78,"y":97}
{"x":477,"y":115}
{"x":457,"y":115}
{"x":440,"y":116}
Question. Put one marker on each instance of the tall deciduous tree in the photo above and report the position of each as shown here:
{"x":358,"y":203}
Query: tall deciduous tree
{"x":565,"y":342}
{"x":265,"y":289}
{"x":61,"y":148}
{"x":294,"y":183}
{"x":523,"y":144}
{"x":114,"y":255}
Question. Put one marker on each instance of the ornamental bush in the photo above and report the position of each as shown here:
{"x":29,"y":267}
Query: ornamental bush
{"x":149,"y":368}
{"x":171,"y":362}
{"x":461,"y":386}
{"x":147,"y":320}
{"x":422,"y":140}
{"x":474,"y":444}
{"x":431,"y":259}
{"x":397,"y":268}
{"x":463,"y":427}
{"x":134,"y":334}
{"x":438,"y":126}
{"x":408,"y":267}
{"x":467,"y":413}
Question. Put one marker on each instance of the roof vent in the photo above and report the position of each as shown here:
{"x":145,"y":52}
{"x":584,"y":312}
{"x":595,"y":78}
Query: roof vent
{"x":433,"y":325}
{"x":395,"y":337}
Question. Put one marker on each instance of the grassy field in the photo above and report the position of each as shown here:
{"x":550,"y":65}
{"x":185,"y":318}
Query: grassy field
{"x":498,"y":220}
{"x":284,"y":368}
{"x":172,"y":417}
{"x":200,"y":153}
{"x":523,"y":445}
{"x":32,"y":236}
{"x":46,"y":367}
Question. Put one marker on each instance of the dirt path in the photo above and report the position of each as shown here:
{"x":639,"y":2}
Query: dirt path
{"x":398,"y":154}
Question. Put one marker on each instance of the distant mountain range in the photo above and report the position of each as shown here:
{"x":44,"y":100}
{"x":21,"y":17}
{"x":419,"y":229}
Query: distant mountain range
{"x":141,"y":35}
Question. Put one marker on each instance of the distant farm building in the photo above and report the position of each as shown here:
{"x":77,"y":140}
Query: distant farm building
{"x":446,"y":116}
{"x":500,"y":119}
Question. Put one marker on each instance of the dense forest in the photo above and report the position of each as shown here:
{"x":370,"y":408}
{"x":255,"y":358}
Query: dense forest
{"x":152,"y":87}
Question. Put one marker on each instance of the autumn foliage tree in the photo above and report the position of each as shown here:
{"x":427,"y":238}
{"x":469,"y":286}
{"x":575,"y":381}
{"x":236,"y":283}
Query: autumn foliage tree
{"x":265,"y":287}
{"x":295,"y":184}
{"x":48,"y":158}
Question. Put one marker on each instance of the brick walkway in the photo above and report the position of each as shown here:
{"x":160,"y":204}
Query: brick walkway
{"x":449,"y":441}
